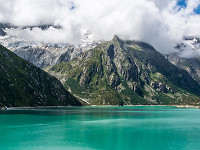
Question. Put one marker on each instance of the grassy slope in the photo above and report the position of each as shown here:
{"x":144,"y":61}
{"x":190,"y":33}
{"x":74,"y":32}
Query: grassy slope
{"x":98,"y":71}
{"x":23,"y":84}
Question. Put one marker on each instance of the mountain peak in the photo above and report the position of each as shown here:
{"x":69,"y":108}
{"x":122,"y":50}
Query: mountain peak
{"x":116,"y":37}
{"x":127,"y":72}
{"x":116,"y":40}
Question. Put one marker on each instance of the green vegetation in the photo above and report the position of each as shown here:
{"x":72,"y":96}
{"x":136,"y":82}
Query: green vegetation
{"x":23,"y":84}
{"x":127,"y":72}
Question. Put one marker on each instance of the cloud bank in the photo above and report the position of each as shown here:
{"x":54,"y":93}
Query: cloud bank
{"x":158,"y":22}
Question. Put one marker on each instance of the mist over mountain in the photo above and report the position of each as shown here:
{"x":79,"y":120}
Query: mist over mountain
{"x":160,"y":23}
{"x":44,"y":54}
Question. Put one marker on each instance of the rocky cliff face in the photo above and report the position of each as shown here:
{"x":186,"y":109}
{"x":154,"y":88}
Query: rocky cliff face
{"x":187,"y":56}
{"x":48,"y":55}
{"x":23,"y":84}
{"x":191,"y":65}
{"x":128,"y":72}
{"x":45,"y":54}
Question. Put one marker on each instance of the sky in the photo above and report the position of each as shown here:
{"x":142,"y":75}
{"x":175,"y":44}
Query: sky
{"x":161,"y":23}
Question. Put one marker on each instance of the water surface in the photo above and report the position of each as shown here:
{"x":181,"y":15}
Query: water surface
{"x":100,"y":128}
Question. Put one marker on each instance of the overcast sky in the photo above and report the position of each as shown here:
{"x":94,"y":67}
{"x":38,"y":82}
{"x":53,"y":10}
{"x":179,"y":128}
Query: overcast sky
{"x":161,"y":23}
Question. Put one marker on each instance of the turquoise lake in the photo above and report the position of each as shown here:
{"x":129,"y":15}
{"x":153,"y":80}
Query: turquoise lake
{"x":100,"y":128}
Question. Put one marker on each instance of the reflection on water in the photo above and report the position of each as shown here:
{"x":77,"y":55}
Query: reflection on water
{"x":133,"y":127}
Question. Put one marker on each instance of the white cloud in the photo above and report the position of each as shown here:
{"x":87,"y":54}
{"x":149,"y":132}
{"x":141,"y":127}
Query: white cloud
{"x":158,"y":22}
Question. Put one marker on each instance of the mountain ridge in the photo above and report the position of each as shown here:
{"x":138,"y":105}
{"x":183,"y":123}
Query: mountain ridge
{"x":128,"y":72}
{"x":23,"y":84}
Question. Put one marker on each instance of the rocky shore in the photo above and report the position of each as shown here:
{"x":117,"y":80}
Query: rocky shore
{"x":179,"y":106}
{"x":188,"y":106}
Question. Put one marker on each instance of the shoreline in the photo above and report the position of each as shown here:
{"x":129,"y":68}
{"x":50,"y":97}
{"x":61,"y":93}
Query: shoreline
{"x":178,"y":106}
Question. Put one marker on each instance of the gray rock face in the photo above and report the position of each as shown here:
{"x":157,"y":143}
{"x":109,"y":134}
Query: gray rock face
{"x":191,"y":65}
{"x":161,"y":87}
{"x":47,"y":55}
{"x":44,"y":54}
{"x":187,"y":56}
{"x":126,"y":72}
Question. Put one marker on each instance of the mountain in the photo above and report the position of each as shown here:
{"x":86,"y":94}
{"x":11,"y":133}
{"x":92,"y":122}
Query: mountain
{"x":126,"y":72}
{"x":23,"y":84}
{"x":49,"y":54}
{"x":191,"y":64}
{"x":44,"y":54}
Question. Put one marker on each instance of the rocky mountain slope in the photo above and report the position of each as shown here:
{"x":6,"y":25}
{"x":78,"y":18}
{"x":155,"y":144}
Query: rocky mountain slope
{"x":126,"y":72}
{"x":49,"y":54}
{"x":44,"y":54}
{"x":192,"y":63}
{"x":23,"y":84}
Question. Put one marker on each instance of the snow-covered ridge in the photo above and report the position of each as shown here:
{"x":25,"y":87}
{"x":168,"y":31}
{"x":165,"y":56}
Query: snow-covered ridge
{"x":188,"y":56}
{"x":189,"y":48}
{"x":44,"y":54}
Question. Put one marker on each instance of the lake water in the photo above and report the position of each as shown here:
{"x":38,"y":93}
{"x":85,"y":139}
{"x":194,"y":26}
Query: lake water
{"x":101,"y":128}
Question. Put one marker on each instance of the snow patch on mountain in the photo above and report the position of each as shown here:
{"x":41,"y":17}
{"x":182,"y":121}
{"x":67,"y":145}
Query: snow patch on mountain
{"x":43,"y":54}
{"x":189,"y":48}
